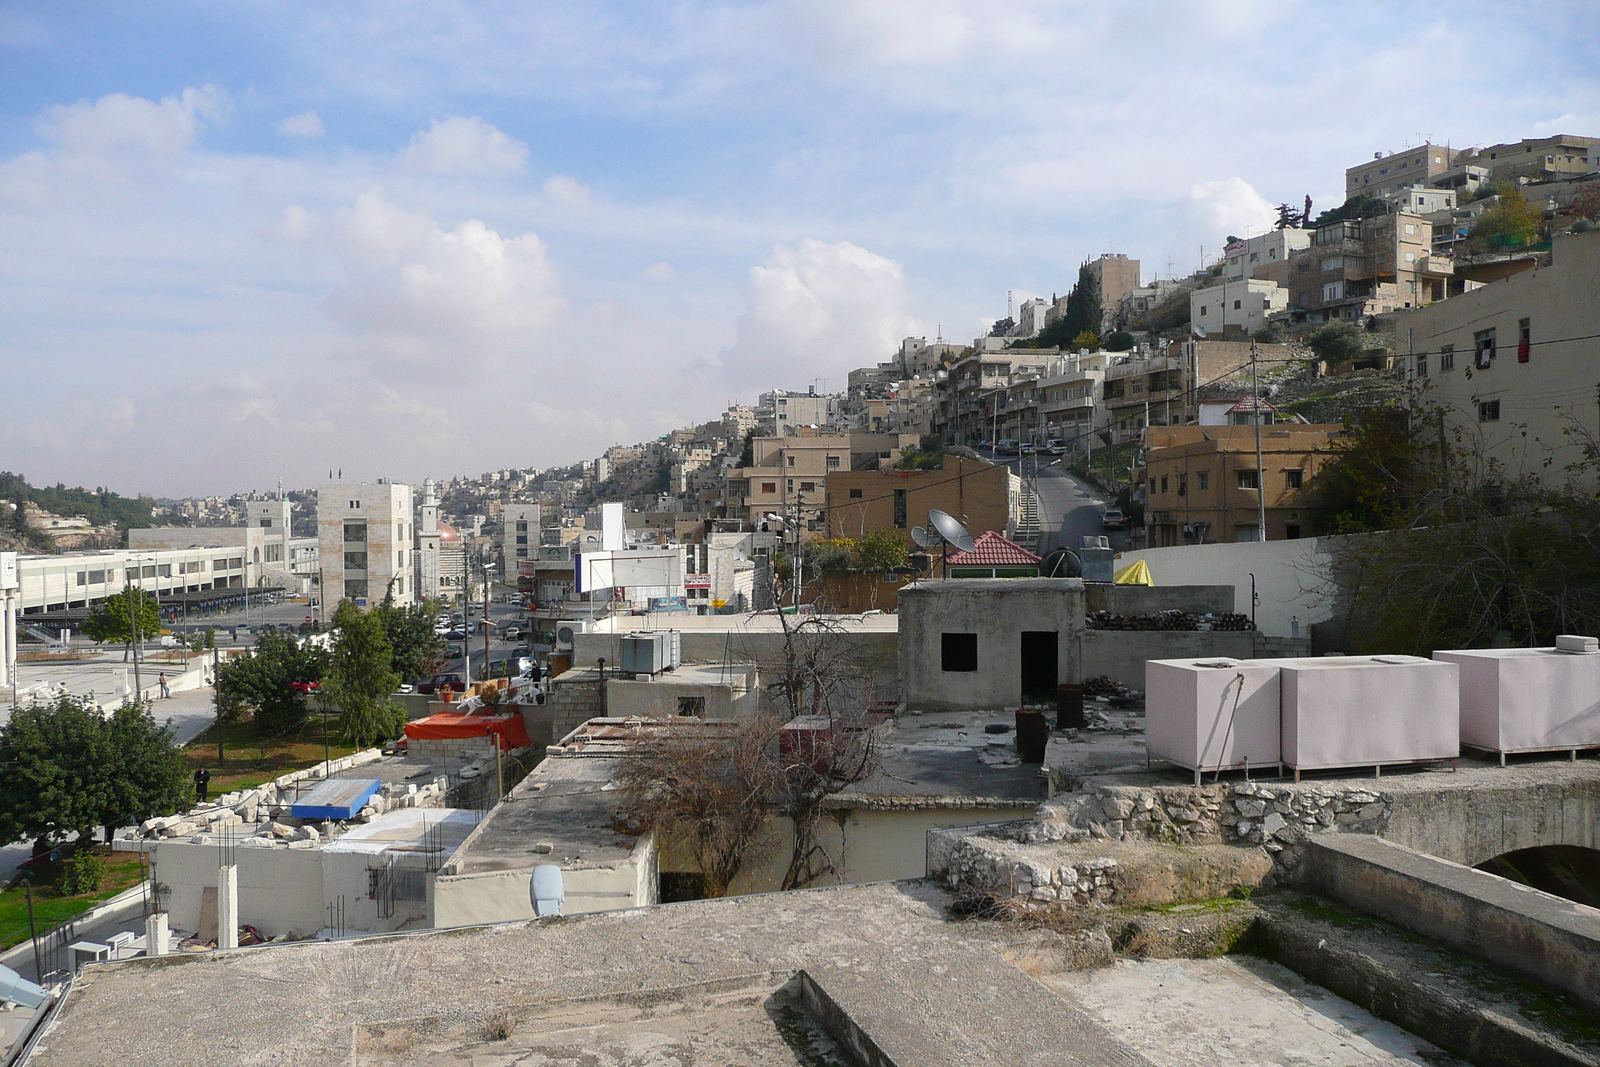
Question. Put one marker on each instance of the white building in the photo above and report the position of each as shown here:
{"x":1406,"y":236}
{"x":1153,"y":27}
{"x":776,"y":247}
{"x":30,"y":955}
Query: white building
{"x":364,"y":533}
{"x":1245,"y":259}
{"x":780,"y":409}
{"x":1030,"y":318}
{"x":519,"y":537}
{"x":1236,"y":306}
{"x":429,"y":537}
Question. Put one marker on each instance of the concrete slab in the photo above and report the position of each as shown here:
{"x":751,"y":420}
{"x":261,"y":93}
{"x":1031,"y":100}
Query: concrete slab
{"x":1237,"y":1010}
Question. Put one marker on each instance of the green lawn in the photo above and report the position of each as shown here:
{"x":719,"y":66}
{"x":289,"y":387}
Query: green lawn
{"x":252,"y":759}
{"x":50,"y":908}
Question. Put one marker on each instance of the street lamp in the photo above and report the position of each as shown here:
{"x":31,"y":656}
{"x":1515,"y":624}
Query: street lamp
{"x":487,"y":567}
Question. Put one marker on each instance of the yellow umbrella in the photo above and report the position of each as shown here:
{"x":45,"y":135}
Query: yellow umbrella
{"x":1135,"y":574}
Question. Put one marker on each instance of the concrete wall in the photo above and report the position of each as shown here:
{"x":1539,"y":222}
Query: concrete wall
{"x":280,"y":889}
{"x":1287,"y":577}
{"x":998,"y":610}
{"x":1476,"y":824}
{"x":659,"y":698}
{"x":1121,"y":654}
{"x":502,"y":896}
{"x":1540,"y":935}
{"x":1148,"y":599}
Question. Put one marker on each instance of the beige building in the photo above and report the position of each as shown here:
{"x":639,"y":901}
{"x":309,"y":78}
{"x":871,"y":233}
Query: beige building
{"x":1202,"y":483}
{"x":1253,"y":256}
{"x":980,"y":494}
{"x":1162,"y":388}
{"x":1514,"y":361}
{"x":1534,"y":158}
{"x":519,"y":536}
{"x":1386,"y":172}
{"x":1117,"y":276}
{"x":1358,"y":268}
{"x":1235,"y":308}
{"x":364,"y":533}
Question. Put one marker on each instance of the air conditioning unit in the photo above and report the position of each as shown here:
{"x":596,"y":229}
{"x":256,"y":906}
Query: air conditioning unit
{"x":644,"y":653}
{"x":566,"y":628}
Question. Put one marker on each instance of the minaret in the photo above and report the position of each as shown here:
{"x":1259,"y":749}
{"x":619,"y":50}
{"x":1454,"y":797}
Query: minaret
{"x":428,"y":539}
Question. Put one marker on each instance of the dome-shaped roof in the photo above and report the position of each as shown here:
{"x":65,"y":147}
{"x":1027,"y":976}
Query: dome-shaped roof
{"x":448,"y":532}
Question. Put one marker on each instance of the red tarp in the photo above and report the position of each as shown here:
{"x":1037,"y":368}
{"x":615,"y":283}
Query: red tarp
{"x":448,"y":724}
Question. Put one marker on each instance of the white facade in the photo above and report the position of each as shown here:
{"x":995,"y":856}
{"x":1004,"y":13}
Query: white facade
{"x":519,"y":538}
{"x":1245,"y":258}
{"x":1030,"y":319}
{"x":429,"y":561}
{"x":364,"y":533}
{"x":1237,"y":306}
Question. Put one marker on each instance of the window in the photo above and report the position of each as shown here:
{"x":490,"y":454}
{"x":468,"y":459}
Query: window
{"x":355,"y":533}
{"x":1333,"y":263}
{"x":1249,"y":479}
{"x":266,"y":524}
{"x":855,"y":494}
{"x":355,"y":589}
{"x":1447,"y":358}
{"x":808,"y":487}
{"x":522,"y":539}
{"x":355,"y":561}
{"x":1293,"y":479}
{"x":1202,"y":310}
{"x":900,"y":509}
{"x":1524,"y":339}
{"x":1236,"y":305}
{"x":1488,"y":411}
{"x":958,"y":652}
{"x":769,"y":487}
{"x":1422,"y":365}
{"x":833,"y":463}
{"x":1410,"y":229}
{"x":522,"y":527}
{"x":788,"y":485}
{"x":1246,"y":532}
{"x":83,"y":577}
{"x":1203,"y":479}
{"x":790,"y":459}
{"x":1333,"y":291}
{"x":1483,"y":346}
{"x":1411,"y":257}
{"x":1163,"y":483}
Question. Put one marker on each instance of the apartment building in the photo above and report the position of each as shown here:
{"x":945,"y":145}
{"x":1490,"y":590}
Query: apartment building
{"x":1161,"y":387}
{"x":779,"y":410}
{"x":1237,"y":308}
{"x":1534,"y":159}
{"x":1203,"y":484}
{"x":1358,"y":268}
{"x":1386,"y":172}
{"x":970,"y":398}
{"x":1253,"y":256}
{"x":982,"y":495}
{"x":364,"y":533}
{"x":1117,"y":276}
{"x":1513,"y":362}
{"x":519,"y":533}
{"x":1068,"y":401}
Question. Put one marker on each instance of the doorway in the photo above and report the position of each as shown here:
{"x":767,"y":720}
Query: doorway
{"x":1040,"y":654}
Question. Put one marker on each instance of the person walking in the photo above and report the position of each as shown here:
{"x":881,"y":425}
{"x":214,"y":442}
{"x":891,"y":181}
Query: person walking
{"x":161,"y":680}
{"x":202,"y":783}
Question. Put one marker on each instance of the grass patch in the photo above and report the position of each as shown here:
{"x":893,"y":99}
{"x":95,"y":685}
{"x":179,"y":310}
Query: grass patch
{"x":50,"y":907}
{"x":1108,"y":466}
{"x":251,"y":758}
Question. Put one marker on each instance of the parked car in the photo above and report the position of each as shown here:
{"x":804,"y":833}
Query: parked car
{"x":455,"y":635}
{"x":1056,"y":448}
{"x":1027,"y":448}
{"x":437,"y":683}
{"x":510,"y":633}
{"x":1113,"y":519}
{"x":1007,"y":448}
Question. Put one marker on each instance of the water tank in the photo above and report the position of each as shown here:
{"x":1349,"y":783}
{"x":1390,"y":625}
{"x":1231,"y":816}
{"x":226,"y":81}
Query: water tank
{"x":644,"y":653}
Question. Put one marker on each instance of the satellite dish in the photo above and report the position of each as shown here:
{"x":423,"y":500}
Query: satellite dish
{"x":920,"y":536}
{"x":951,"y":530}
{"x":546,"y":890}
{"x":1062,"y":563}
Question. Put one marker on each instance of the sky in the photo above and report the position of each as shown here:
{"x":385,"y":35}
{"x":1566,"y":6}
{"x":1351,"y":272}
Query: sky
{"x":260,"y":240}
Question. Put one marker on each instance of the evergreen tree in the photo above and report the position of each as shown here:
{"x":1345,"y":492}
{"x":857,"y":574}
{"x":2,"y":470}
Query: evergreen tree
{"x":124,"y":617}
{"x":361,"y":677}
{"x":265,"y":679}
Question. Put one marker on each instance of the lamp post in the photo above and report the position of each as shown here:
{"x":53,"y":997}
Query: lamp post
{"x":487,"y":567}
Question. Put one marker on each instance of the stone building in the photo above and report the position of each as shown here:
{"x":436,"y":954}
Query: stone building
{"x":364,"y":532}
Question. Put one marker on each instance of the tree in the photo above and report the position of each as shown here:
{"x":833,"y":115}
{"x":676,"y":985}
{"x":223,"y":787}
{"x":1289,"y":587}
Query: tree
{"x":1081,"y":314}
{"x":1511,"y":222}
{"x":360,"y":678}
{"x":1335,"y":343}
{"x":878,"y":552}
{"x":417,"y":650}
{"x":1360,"y":206}
{"x":1002,"y":327}
{"x":1289,"y":218}
{"x":1373,"y":482}
{"x":70,"y":769}
{"x":19,"y":514}
{"x":126,"y":616}
{"x":264,"y":680}
{"x":1119,"y":341}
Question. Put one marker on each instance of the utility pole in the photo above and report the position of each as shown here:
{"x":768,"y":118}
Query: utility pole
{"x":486,"y":566}
{"x":1261,"y":474}
{"x":133,"y":638}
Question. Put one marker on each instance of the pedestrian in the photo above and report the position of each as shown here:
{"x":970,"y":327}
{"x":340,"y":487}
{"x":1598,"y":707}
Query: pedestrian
{"x":161,"y":680}
{"x":202,"y":783}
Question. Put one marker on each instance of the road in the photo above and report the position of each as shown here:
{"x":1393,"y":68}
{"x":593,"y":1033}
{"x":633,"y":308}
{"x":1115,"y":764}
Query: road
{"x":1069,"y":507}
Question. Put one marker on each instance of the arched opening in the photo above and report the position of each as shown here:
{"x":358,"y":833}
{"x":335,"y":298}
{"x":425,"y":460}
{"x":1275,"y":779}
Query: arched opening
{"x":257,"y":554}
{"x":1568,"y":871}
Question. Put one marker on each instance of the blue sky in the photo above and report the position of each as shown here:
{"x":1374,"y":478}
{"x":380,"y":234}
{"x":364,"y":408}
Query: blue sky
{"x":250,"y":241}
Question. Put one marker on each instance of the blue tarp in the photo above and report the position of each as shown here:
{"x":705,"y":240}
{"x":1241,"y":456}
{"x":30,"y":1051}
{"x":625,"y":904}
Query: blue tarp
{"x":337,"y":798}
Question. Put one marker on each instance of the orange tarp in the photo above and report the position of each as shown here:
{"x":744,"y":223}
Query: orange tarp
{"x":448,"y":724}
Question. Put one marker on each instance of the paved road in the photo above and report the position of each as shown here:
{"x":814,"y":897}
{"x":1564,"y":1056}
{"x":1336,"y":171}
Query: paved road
{"x":1069,"y":507}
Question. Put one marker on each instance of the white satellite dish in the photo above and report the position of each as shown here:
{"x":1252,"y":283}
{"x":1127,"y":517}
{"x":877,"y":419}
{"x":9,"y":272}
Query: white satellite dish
{"x":951,"y":530}
{"x":920,"y":536}
{"x":547,"y":890}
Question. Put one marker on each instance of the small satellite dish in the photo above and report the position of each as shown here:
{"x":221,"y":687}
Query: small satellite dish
{"x":1062,"y":563}
{"x":951,"y":530}
{"x":546,"y":890}
{"x":920,"y":536}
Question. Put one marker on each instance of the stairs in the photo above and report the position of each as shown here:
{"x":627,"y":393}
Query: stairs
{"x":1027,"y":524}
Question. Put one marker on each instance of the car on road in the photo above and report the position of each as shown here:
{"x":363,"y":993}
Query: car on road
{"x":510,"y":633}
{"x":438,"y":683}
{"x":1027,"y":448}
{"x":1056,"y":448}
{"x":1113,"y":519}
{"x":1006,"y":448}
{"x":455,"y":635}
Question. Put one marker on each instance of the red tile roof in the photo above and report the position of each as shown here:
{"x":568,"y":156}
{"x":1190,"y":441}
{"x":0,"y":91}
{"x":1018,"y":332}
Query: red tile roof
{"x":991,"y":550}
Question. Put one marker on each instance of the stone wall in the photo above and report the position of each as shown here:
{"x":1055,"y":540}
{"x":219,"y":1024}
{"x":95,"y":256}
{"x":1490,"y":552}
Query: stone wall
{"x":1149,"y":599}
{"x":1121,"y":654}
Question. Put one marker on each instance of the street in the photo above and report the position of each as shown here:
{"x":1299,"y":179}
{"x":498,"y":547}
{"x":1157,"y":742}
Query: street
{"x":1069,"y":508}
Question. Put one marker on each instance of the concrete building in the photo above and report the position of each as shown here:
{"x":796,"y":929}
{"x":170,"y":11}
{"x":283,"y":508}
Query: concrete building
{"x":1031,"y":317}
{"x":64,"y":588}
{"x":778,"y":410}
{"x":364,"y":534}
{"x":1386,"y":172}
{"x":979,"y":494}
{"x":988,"y":643}
{"x":1359,"y":268}
{"x":1534,"y":158}
{"x":519,"y":537}
{"x":1249,"y":258}
{"x":1162,"y":388}
{"x":1117,"y":276}
{"x":1511,"y":362}
{"x":1202,"y":483}
{"x":429,"y":540}
{"x":272,"y":558}
{"x":1068,"y":402}
{"x":1237,"y":308}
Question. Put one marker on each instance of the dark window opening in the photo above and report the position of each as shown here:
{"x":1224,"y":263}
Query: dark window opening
{"x":900,"y":512}
{"x":1524,"y":340}
{"x":1489,"y":411}
{"x":855,"y":494}
{"x":1483,"y":345}
{"x":1293,"y":479}
{"x":958,"y":652}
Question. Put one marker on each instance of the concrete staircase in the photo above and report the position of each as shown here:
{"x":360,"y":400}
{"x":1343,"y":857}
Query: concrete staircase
{"x":1027,"y":532}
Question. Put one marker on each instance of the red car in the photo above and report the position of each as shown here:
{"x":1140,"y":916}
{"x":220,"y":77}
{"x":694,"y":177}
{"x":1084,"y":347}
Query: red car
{"x":438,"y":683}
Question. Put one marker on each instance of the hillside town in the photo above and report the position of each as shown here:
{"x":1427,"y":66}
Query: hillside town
{"x":1187,"y":668}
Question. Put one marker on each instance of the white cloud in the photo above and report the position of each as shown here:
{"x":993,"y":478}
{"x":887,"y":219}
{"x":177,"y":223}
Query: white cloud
{"x":436,"y":300}
{"x":658,"y":272}
{"x":565,"y":190}
{"x":307,"y":126}
{"x":817,"y":310}
{"x":1215,"y":210}
{"x":121,"y":122}
{"x":464,"y":146}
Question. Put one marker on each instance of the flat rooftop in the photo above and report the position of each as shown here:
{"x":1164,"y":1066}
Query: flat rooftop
{"x":949,"y":757}
{"x":756,"y":622}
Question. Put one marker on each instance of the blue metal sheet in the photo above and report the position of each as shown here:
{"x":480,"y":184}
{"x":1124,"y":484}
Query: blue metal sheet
{"x":337,"y":798}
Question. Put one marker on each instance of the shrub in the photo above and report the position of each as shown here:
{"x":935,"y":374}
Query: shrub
{"x":82,"y":874}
